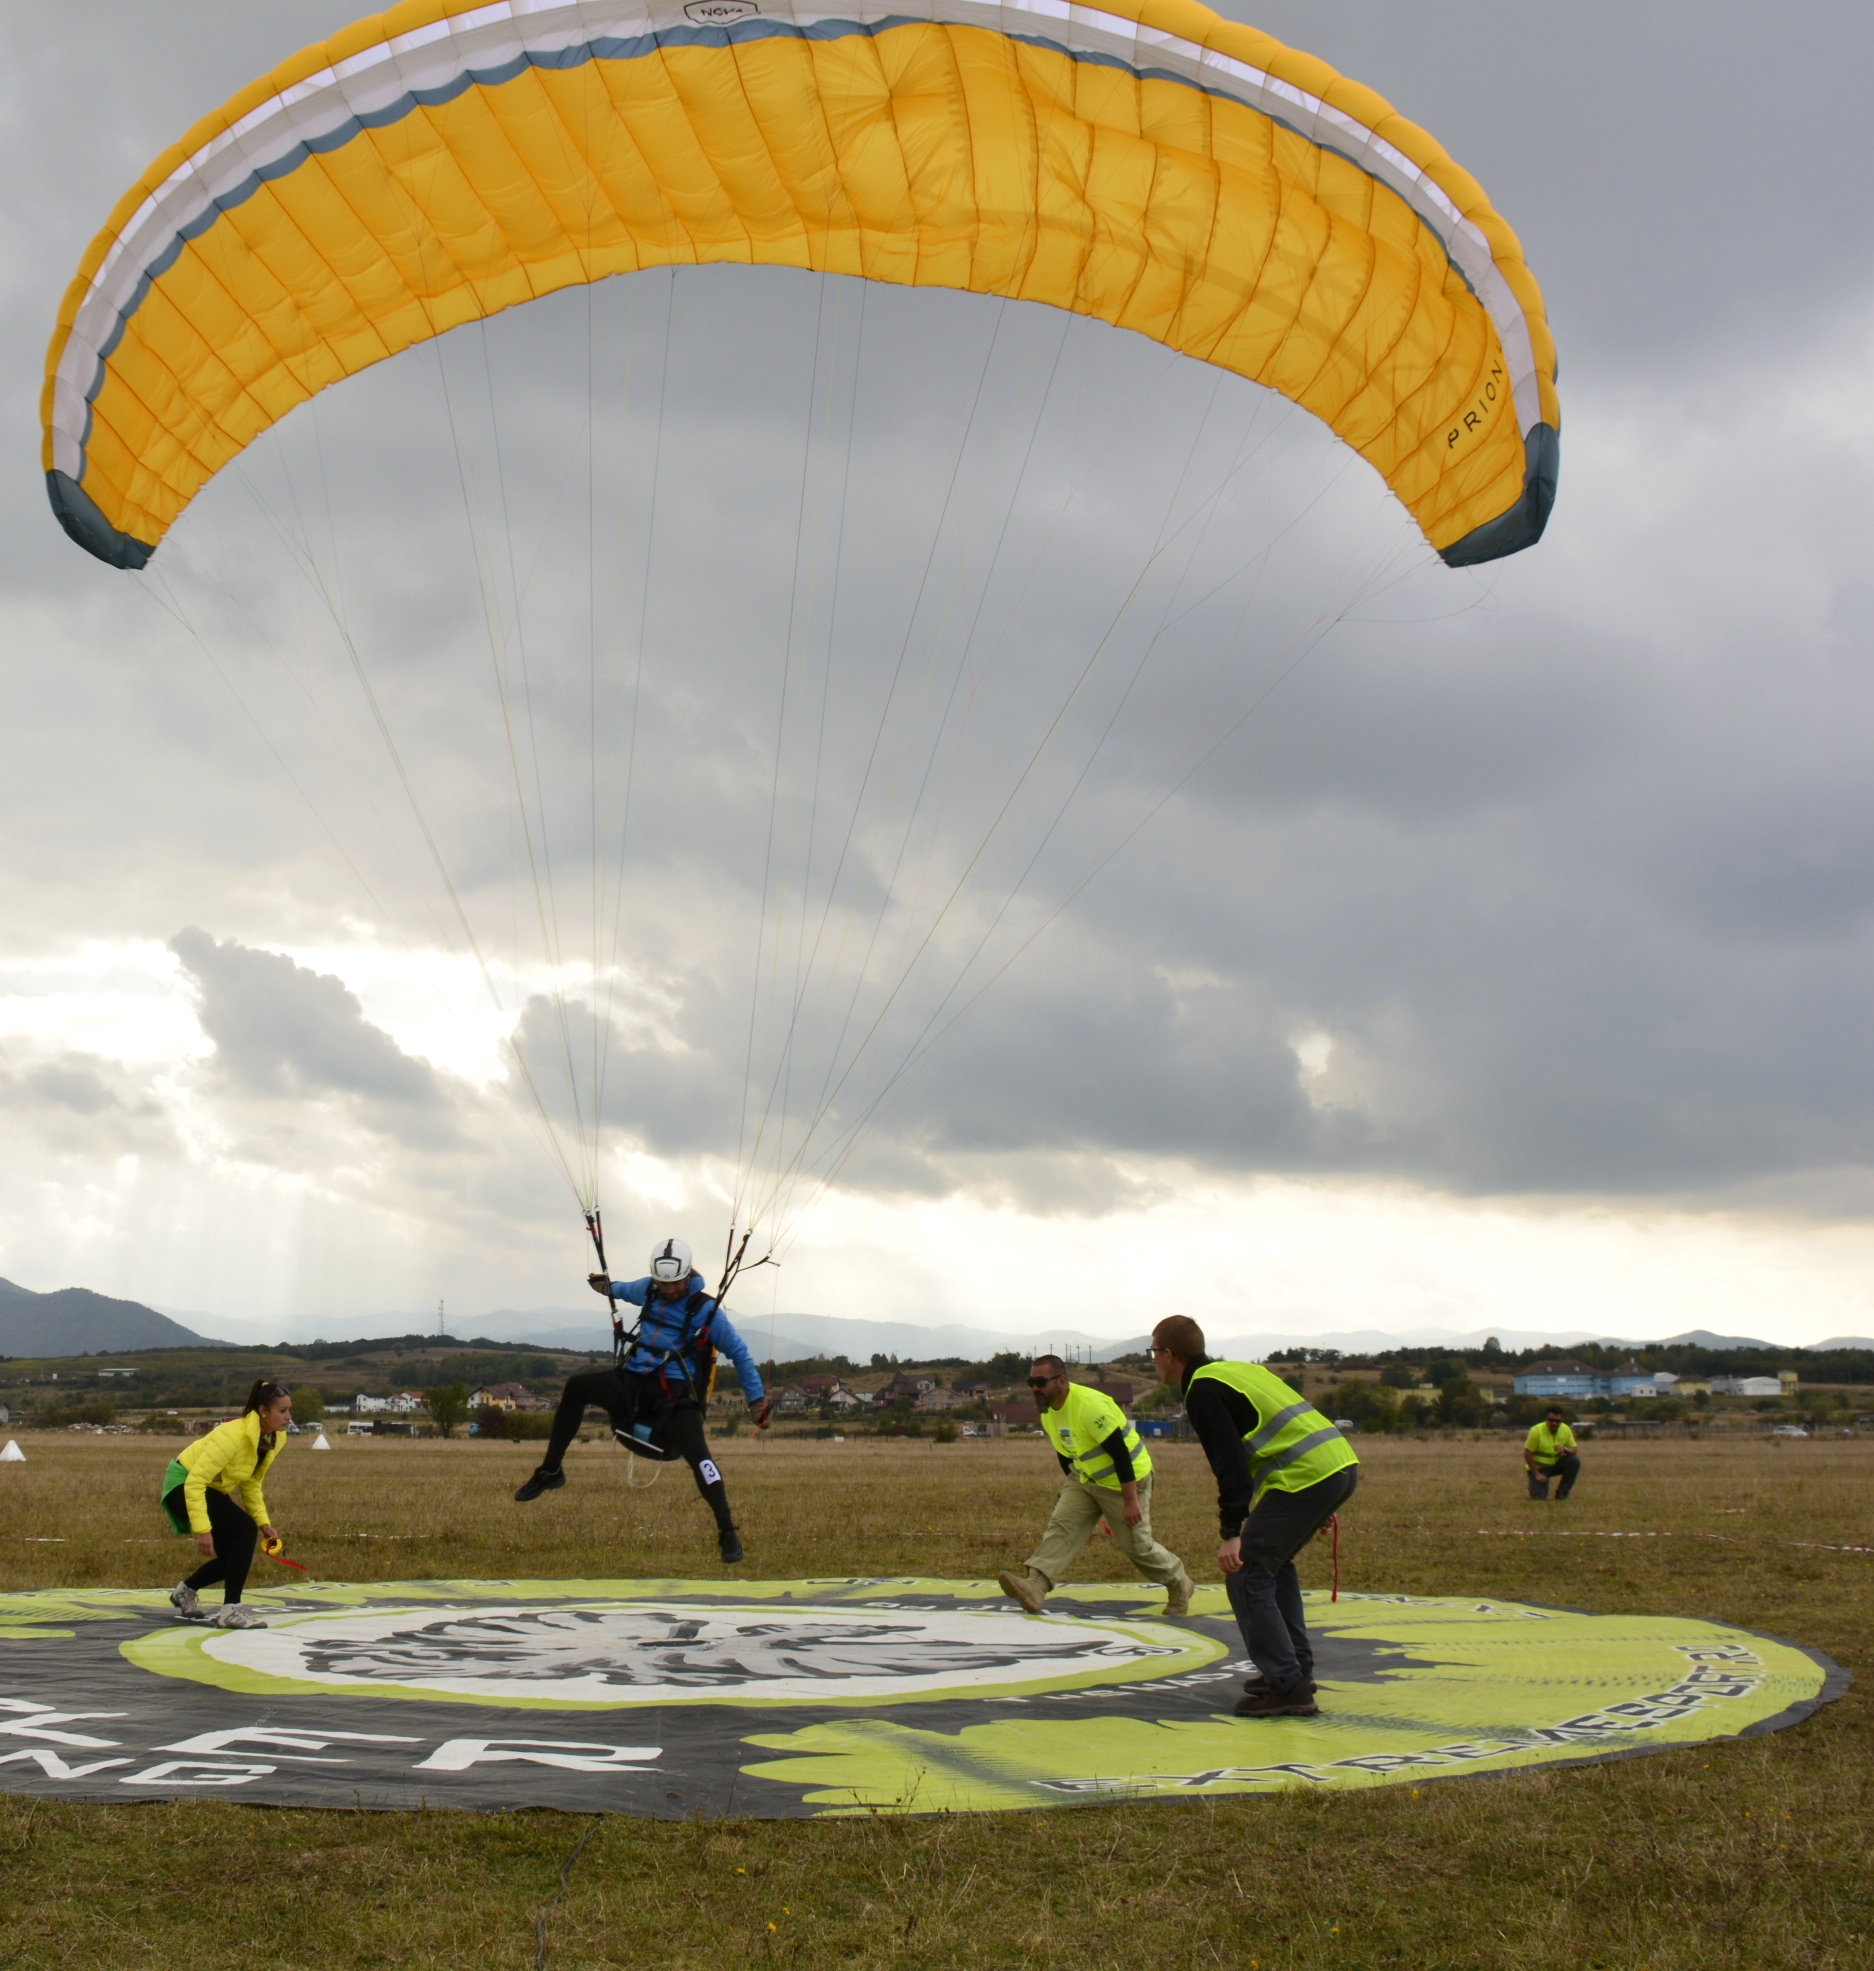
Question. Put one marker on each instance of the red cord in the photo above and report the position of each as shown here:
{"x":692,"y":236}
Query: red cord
{"x":1335,"y":1524}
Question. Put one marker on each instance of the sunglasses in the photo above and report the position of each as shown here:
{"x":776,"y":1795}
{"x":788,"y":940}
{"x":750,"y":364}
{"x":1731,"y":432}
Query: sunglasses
{"x":1042,"y":1382}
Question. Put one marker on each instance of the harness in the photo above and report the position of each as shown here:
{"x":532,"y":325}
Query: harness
{"x":627,"y":1341}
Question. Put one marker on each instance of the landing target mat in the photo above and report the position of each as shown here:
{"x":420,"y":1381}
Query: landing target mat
{"x":800,"y":1698}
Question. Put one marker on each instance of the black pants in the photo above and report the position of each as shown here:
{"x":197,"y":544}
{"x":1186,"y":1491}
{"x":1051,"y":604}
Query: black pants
{"x":676,"y":1425}
{"x":235,"y":1537}
{"x":1567,"y":1468}
{"x":1265,"y":1592}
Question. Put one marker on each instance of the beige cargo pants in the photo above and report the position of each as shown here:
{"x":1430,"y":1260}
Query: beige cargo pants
{"x":1078,"y":1510}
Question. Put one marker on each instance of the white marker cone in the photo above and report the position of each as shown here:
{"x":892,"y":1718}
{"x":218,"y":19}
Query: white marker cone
{"x":12,"y":1455}
{"x":322,"y":1442}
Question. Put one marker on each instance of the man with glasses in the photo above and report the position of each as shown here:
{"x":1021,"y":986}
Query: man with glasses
{"x":1108,"y":1476}
{"x":1282,"y":1472}
{"x":1550,"y":1451}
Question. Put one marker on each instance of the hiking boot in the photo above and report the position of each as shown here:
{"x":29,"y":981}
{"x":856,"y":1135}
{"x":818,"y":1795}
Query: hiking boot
{"x":186,"y":1602}
{"x":1027,"y":1587}
{"x":1265,"y":1701}
{"x":1256,"y":1681}
{"x":542,"y":1481}
{"x":1178,"y":1596}
{"x":231,"y":1615}
{"x":730,"y":1541}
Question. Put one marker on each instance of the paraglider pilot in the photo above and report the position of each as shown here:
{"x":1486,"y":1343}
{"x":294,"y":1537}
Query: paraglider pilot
{"x":655,"y":1392}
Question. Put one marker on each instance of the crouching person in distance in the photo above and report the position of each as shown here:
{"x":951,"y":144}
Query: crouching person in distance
{"x":199,"y":1496}
{"x":659,"y":1381}
{"x":1282,"y":1472}
{"x":1550,"y":1451}
{"x":1108,"y":1476}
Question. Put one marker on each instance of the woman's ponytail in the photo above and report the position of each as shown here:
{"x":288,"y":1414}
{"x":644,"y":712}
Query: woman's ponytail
{"x":263,"y":1394}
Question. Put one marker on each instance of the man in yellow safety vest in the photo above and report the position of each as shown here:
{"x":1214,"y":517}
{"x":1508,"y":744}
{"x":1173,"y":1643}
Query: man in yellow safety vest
{"x":1282,"y":1472}
{"x":1108,"y":1476}
{"x":1549,"y":1451}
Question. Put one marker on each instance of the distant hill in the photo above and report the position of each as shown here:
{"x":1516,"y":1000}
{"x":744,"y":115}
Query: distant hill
{"x":76,"y":1321}
{"x":1704,"y":1338}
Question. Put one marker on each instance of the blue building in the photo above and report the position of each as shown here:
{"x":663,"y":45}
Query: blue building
{"x":1582,"y":1383}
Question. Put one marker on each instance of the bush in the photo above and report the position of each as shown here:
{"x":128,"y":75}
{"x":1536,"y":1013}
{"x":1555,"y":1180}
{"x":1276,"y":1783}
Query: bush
{"x":75,"y":1413}
{"x":945,"y":1433}
{"x":308,"y":1406}
{"x":1371,"y":1405}
{"x":448,"y":1406}
{"x":162,"y":1426}
{"x":1460,"y":1401}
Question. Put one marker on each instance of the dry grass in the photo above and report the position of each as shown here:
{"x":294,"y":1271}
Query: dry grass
{"x":1756,"y":1850}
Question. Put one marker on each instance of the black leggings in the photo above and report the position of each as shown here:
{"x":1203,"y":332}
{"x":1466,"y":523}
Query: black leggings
{"x":235,"y":1536}
{"x":629,"y":1399}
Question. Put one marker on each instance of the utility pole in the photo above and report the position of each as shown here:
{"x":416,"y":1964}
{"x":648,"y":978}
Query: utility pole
{"x":440,"y":1329}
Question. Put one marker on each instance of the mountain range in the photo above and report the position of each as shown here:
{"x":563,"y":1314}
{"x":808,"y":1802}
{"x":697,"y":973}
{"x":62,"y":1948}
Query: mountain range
{"x":75,"y":1321}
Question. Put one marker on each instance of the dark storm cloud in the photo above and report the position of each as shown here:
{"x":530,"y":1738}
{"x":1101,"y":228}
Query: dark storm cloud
{"x":1681,"y":176}
{"x":282,"y":1031}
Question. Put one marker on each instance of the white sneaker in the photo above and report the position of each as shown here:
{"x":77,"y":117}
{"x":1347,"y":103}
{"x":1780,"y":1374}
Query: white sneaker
{"x":186,"y":1602}
{"x":231,"y":1615}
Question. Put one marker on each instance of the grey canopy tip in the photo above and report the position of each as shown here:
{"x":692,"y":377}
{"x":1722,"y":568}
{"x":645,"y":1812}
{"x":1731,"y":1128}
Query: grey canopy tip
{"x":79,"y":516}
{"x":1522,"y":525}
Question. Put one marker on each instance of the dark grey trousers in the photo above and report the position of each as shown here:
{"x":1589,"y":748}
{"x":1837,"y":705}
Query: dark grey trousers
{"x":1265,"y":1593}
{"x":1567,"y":1468}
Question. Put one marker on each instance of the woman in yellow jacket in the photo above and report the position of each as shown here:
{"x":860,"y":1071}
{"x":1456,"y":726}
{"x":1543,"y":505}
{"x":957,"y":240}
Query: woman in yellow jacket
{"x":199,"y":1496}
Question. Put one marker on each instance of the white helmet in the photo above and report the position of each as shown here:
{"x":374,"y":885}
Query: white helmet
{"x":670,"y":1262}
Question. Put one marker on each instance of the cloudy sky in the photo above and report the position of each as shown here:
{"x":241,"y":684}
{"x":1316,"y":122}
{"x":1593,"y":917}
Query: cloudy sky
{"x":1352,"y":943}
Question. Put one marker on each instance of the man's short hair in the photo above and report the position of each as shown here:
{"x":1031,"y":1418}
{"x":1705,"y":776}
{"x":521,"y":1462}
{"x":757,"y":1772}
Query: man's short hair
{"x":1180,"y":1334}
{"x":1052,"y":1363}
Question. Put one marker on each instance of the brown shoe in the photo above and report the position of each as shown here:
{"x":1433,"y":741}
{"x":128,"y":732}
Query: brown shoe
{"x":1178,"y":1596}
{"x":1265,"y":1701}
{"x":1027,"y":1587}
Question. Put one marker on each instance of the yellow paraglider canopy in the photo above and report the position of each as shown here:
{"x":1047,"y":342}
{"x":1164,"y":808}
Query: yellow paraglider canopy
{"x":1144,"y":162}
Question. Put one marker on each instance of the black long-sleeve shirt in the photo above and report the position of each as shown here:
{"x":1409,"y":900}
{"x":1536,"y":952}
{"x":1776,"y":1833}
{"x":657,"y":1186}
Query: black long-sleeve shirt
{"x":1115,"y":1448}
{"x":1222,"y":1418}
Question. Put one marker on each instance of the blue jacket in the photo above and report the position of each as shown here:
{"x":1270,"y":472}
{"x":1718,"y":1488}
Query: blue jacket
{"x":667,"y":1330}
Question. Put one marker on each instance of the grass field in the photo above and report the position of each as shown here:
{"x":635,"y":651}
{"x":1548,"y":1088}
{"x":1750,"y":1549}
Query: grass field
{"x":1755,"y":1852}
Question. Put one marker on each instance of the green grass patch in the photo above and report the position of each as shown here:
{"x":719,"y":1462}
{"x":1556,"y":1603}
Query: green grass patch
{"x":1755,"y":1850}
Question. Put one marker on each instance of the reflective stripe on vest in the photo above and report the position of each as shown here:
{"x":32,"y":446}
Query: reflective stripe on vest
{"x":1076,"y":1440}
{"x":1294,"y":1446}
